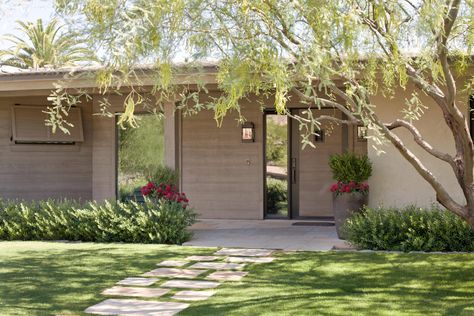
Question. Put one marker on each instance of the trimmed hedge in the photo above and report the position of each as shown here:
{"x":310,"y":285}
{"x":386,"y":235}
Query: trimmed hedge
{"x":131,"y":222}
{"x":409,"y":229}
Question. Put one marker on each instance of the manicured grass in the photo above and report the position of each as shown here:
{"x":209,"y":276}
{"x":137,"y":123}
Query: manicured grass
{"x":54,"y":278}
{"x":63,"y":279}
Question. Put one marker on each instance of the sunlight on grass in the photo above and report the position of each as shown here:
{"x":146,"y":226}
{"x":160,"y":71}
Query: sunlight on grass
{"x":46,"y":278}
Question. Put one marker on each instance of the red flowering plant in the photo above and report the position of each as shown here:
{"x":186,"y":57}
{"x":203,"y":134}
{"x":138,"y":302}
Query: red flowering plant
{"x":165,"y":192}
{"x":351,"y":187}
{"x":350,"y":171}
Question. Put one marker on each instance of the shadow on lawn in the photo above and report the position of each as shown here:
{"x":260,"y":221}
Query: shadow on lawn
{"x":67,"y":280}
{"x":350,"y":284}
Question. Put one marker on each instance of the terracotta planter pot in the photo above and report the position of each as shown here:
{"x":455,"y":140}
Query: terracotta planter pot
{"x":344,"y":205}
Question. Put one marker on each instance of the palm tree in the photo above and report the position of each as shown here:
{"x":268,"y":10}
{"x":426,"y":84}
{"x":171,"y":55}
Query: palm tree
{"x":43,"y":47}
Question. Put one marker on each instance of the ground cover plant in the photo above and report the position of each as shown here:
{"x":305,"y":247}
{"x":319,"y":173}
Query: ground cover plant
{"x":46,"y":278}
{"x":409,"y":229}
{"x":152,"y":221}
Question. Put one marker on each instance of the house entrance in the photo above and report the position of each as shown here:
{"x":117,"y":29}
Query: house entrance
{"x":296,"y":179}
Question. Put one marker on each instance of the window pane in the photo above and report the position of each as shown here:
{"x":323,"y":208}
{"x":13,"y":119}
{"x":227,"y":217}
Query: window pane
{"x":276,"y":165}
{"x":140,"y":154}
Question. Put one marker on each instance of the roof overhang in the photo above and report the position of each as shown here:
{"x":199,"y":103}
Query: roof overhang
{"x":83,"y":78}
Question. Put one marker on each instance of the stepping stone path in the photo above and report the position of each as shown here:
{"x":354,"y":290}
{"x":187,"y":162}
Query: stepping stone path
{"x":203,"y":258}
{"x":244,"y":252}
{"x":227,"y":275}
{"x":174,"y":273}
{"x":136,"y":307}
{"x":135,"y":291}
{"x":250,"y":259}
{"x":138,"y":281}
{"x":188,"y":284}
{"x":193,"y":295}
{"x":173,"y":263}
{"x":217,"y":265}
{"x":214,"y":269}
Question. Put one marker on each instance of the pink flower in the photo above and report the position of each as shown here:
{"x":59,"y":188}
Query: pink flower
{"x":165,"y":191}
{"x":334,"y":187}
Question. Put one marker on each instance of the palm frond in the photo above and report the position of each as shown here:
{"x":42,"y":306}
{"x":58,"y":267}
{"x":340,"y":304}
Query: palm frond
{"x":42,"y":46}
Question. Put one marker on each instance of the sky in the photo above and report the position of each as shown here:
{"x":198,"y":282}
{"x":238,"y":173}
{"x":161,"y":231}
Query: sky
{"x":25,"y":10}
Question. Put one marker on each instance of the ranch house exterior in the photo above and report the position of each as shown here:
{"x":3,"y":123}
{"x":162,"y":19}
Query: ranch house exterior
{"x":222,"y":170}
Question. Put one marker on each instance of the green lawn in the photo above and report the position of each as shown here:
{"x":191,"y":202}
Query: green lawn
{"x":47,"y":278}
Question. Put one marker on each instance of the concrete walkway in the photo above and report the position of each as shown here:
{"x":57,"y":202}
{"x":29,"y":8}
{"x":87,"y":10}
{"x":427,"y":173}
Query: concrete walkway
{"x":270,"y":234}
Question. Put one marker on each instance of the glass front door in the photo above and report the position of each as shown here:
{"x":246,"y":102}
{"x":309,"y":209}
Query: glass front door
{"x":297,"y":179}
{"x":276,"y":166}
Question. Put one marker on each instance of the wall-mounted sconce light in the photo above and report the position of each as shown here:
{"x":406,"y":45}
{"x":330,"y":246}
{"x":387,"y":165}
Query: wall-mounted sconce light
{"x":248,"y":132}
{"x":319,"y":136}
{"x":361,"y":133}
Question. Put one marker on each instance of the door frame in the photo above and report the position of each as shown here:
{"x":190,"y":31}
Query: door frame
{"x":290,"y":189}
{"x":292,"y":153}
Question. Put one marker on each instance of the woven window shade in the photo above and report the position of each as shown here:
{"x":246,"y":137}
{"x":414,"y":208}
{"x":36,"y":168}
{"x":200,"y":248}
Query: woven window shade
{"x":28,"y":126}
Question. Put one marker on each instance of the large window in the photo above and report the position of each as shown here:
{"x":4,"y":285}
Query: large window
{"x":140,"y":155}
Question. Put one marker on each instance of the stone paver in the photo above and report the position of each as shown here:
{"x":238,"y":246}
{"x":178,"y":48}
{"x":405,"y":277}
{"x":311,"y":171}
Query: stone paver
{"x":189,"y":284}
{"x":193,"y":295}
{"x":202,"y":258}
{"x":227,"y":275}
{"x":174,"y":273}
{"x":244,"y":252}
{"x":135,"y":291}
{"x":138,"y":281}
{"x":173,"y":263}
{"x":250,"y":259}
{"x":218,"y":265}
{"x":136,"y":307}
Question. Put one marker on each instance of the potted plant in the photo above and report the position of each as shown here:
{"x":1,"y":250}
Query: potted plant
{"x":350,"y":192}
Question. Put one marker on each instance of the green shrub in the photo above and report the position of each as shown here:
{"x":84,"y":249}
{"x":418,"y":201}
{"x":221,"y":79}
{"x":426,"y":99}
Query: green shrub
{"x":349,"y":167}
{"x":131,"y":222}
{"x":163,"y":174}
{"x":277,"y":195}
{"x":409,"y":229}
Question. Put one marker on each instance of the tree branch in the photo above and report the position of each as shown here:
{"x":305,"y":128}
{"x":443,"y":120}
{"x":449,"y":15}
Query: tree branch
{"x":285,"y":28}
{"x":328,"y":118}
{"x":328,"y":103}
{"x":448,"y":22}
{"x":432,"y":90}
{"x":442,"y":195}
{"x":344,"y":96}
{"x":421,"y":142}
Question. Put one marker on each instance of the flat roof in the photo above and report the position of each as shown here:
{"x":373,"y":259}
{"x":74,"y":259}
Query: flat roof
{"x":82,"y":77}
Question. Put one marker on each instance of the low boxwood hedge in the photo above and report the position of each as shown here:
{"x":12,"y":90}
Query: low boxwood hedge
{"x":409,"y":229}
{"x":131,"y":222}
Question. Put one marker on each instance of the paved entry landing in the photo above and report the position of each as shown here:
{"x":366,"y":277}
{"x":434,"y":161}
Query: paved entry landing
{"x":270,"y":234}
